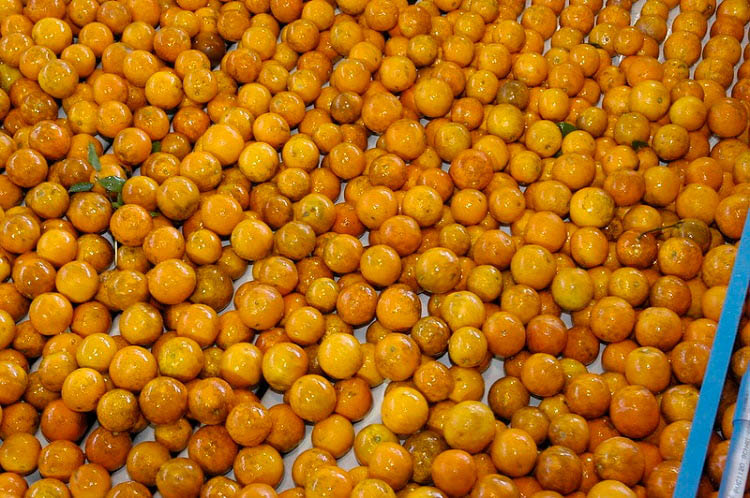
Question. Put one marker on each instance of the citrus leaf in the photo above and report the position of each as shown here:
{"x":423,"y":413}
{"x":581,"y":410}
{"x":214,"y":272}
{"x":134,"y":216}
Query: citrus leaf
{"x":112,"y":183}
{"x":154,"y":214}
{"x":93,"y":158}
{"x":639,"y":144}
{"x":156,"y":147}
{"x":81,"y":187}
{"x":566,"y":128}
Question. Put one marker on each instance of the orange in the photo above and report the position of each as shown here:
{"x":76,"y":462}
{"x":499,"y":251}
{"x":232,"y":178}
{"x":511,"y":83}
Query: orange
{"x":312,"y":397}
{"x":404,"y":410}
{"x":454,"y":472}
{"x":513,"y":452}
{"x":391,"y":463}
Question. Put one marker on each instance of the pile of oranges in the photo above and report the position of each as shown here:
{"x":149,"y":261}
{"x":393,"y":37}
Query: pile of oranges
{"x":515,"y":163}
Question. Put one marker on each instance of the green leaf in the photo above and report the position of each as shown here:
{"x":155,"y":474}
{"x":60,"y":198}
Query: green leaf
{"x":566,"y":128}
{"x":93,"y":158}
{"x":639,"y":144}
{"x":117,"y":204}
{"x":112,"y":183}
{"x":156,"y":147}
{"x":81,"y":187}
{"x":154,"y":214}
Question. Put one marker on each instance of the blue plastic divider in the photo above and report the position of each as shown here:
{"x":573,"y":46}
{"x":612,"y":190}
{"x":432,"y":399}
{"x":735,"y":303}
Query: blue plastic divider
{"x":735,"y":470}
{"x":716,"y":371}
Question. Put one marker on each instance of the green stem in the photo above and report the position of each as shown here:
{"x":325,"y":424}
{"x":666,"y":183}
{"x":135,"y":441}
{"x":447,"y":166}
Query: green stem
{"x":660,"y":229}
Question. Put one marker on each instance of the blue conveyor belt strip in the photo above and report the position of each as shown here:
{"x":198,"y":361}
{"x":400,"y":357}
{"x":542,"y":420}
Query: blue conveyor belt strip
{"x":716,"y":371}
{"x":735,"y":470}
